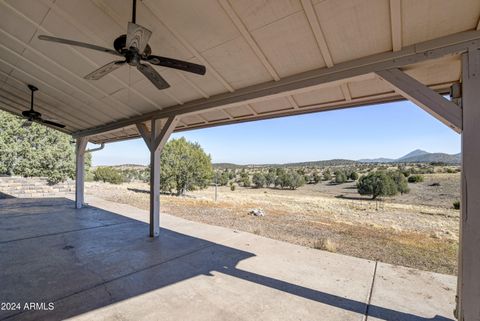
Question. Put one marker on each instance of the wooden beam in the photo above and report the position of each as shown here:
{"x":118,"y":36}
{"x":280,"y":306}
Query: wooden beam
{"x":468,"y":282}
{"x":312,"y":79}
{"x":346,"y":91}
{"x":317,"y":31}
{"x":248,"y":38}
{"x":165,"y":133}
{"x":145,"y":133}
{"x":444,"y":110}
{"x":251,"y":109}
{"x":81,"y":144}
{"x":292,"y":101}
{"x":396,"y":24}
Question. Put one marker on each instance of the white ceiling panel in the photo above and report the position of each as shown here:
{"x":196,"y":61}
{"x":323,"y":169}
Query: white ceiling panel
{"x":259,"y":13}
{"x":237,"y":63}
{"x":365,"y":88}
{"x":429,"y":19}
{"x":319,"y":96}
{"x":272,"y":105}
{"x":183,"y":15}
{"x":355,"y":28}
{"x":290,"y":45}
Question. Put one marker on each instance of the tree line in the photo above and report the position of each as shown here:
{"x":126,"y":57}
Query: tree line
{"x":36,"y":150}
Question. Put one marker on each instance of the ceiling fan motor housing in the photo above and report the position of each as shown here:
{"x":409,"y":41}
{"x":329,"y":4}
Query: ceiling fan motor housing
{"x":120,"y":46}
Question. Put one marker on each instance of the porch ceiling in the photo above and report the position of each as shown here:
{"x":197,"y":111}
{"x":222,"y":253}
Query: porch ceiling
{"x":243,"y":43}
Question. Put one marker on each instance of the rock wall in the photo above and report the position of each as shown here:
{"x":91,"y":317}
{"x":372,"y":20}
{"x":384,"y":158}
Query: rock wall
{"x":28,"y":187}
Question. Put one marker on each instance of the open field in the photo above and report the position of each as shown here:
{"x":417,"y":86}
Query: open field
{"x":419,"y":229}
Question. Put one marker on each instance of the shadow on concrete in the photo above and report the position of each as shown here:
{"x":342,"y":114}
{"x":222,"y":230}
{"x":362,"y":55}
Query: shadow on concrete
{"x":5,"y":195}
{"x":90,"y":258}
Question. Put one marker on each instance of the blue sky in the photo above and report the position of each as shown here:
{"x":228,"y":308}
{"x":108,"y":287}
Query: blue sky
{"x":386,"y":130}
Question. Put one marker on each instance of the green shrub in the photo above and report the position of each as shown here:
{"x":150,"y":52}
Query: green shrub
{"x":415,"y":178}
{"x":245,"y":180}
{"x":340,"y":177}
{"x":327,"y":175}
{"x":107,"y":175}
{"x":270,"y":177}
{"x":296,"y":180}
{"x":259,"y":180}
{"x":222,"y":179}
{"x":353,"y":176}
{"x":316,"y":178}
{"x":290,"y":179}
{"x":89,"y":176}
{"x":400,"y":181}
{"x":456,"y":205}
{"x":377,"y":184}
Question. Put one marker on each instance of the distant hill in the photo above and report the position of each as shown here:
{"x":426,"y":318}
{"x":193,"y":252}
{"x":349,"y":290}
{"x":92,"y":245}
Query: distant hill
{"x":412,"y":155}
{"x":228,"y":165}
{"x":376,"y":160}
{"x":330,"y":162}
{"x":418,"y":156}
{"x":434,"y":157}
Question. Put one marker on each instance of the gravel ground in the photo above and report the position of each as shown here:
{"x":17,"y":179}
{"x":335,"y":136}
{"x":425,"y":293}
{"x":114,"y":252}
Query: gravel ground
{"x":419,"y":229}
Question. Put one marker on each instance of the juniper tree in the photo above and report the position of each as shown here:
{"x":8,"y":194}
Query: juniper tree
{"x":377,"y":184}
{"x":36,"y":150}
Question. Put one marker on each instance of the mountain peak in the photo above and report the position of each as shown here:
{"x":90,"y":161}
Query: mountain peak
{"x":415,"y":153}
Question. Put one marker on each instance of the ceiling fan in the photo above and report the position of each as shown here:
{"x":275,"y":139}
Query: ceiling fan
{"x":34,"y":116}
{"x":134,"y":48}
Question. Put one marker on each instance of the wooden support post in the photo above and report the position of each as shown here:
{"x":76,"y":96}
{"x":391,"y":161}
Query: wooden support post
{"x":81,"y":144}
{"x":468,"y":308}
{"x":154,"y":180}
{"x":155,"y":139}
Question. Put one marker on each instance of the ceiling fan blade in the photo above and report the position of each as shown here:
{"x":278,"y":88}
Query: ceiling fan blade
{"x":137,"y":37}
{"x":153,"y":76}
{"x":102,"y":71}
{"x":78,"y":44}
{"x":52,"y":123}
{"x":177,"y":64}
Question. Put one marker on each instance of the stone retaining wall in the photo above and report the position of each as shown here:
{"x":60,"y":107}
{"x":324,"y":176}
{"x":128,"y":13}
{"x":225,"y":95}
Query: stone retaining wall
{"x":28,"y":187}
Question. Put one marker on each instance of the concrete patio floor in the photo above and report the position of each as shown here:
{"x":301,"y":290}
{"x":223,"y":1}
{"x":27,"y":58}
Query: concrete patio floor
{"x":99,"y":263}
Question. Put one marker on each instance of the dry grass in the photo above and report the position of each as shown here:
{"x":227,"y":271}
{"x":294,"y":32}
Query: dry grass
{"x":419,"y":231}
{"x":325,"y":244}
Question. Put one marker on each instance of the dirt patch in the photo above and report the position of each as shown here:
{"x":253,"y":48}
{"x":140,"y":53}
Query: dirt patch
{"x":418,"y":230}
